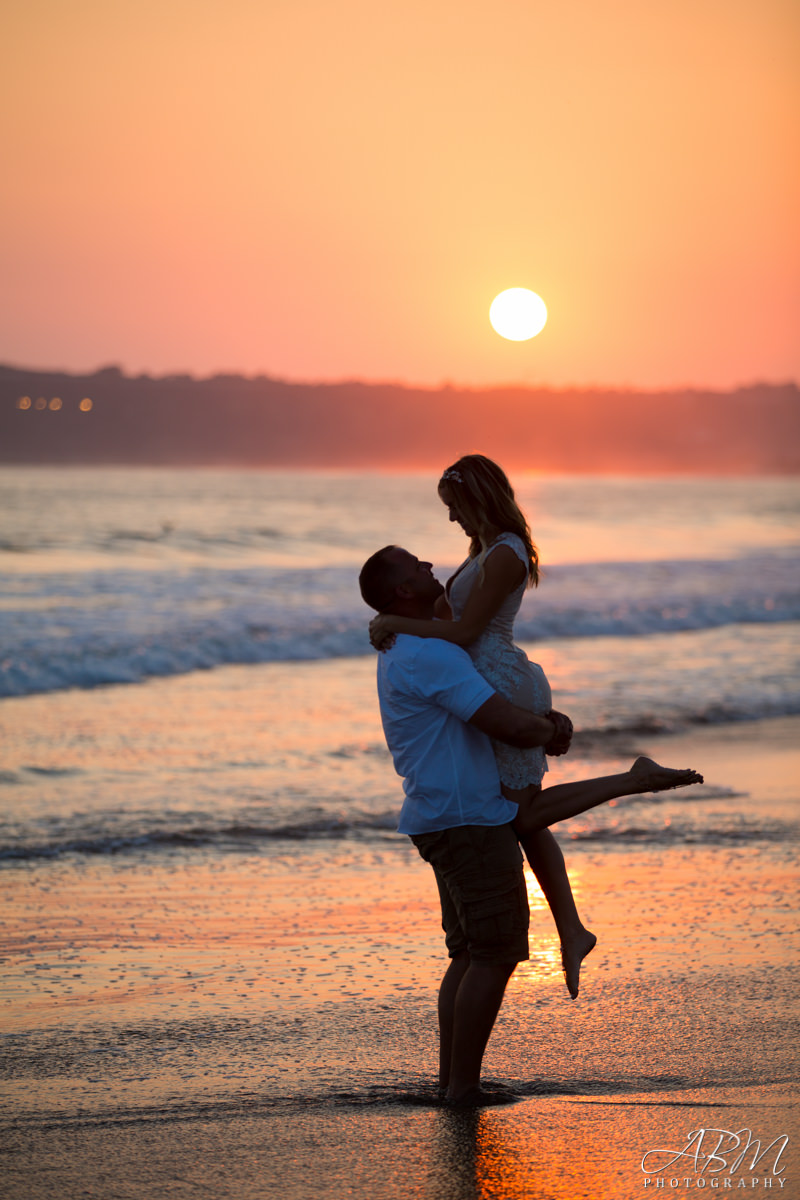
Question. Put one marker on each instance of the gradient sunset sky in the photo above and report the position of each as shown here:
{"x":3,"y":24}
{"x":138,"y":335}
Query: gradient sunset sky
{"x":325,"y":190}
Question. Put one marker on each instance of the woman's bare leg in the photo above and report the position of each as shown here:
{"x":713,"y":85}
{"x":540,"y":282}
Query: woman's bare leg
{"x":547,"y":863}
{"x":541,"y":808}
{"x":565,"y":800}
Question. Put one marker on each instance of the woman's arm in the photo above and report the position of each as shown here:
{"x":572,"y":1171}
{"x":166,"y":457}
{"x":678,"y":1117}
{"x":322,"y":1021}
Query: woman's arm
{"x":503,"y":572}
{"x":442,"y":610}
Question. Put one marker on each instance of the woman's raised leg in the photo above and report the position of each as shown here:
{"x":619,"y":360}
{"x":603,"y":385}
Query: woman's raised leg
{"x":564,"y":800}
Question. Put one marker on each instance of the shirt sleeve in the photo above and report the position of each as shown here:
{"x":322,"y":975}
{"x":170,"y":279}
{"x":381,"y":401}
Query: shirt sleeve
{"x":445,"y":675}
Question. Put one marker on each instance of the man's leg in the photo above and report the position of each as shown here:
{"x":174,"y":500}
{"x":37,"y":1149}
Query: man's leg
{"x":447,"y":1008}
{"x":485,"y":917}
{"x":477,"y":1003}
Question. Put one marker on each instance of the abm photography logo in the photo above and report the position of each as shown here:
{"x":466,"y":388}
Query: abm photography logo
{"x":719,"y":1159}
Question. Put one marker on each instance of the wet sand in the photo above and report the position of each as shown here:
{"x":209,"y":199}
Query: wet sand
{"x":248,"y":1029}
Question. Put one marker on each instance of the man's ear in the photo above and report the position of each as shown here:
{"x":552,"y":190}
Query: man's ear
{"x":404,"y":592}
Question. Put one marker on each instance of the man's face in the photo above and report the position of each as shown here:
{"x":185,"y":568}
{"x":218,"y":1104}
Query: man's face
{"x":414,"y":579}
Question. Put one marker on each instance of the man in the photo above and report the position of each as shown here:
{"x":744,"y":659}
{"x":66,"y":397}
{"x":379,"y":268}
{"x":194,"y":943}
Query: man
{"x":438,"y":714}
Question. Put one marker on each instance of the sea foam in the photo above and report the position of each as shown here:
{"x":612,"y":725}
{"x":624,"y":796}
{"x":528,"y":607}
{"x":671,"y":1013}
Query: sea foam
{"x":84,"y":629}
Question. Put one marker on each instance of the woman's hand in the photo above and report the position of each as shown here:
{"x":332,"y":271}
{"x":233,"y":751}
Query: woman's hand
{"x":380,"y":635}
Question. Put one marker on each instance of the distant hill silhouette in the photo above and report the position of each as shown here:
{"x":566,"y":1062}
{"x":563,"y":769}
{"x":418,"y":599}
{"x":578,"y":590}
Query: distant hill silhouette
{"x":229,"y":419}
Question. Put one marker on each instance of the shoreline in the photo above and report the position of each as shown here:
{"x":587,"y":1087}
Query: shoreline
{"x":259,"y":1026}
{"x":261,"y":910}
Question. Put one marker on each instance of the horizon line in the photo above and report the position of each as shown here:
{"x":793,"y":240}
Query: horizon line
{"x":443,"y":386}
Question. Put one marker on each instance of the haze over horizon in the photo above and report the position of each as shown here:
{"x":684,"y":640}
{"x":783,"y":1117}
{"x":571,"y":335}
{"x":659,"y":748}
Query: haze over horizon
{"x":322,"y":192}
{"x":443,"y":385}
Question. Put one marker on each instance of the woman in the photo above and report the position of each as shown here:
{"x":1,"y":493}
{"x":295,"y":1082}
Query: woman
{"x":477,"y":612}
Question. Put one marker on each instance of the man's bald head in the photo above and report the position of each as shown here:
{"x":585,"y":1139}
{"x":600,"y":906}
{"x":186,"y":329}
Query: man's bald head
{"x":393,"y":580}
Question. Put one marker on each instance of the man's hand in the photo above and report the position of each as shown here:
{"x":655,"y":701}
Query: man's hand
{"x":562,"y":738}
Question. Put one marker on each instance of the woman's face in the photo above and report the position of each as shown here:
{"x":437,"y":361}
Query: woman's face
{"x":449,"y":501}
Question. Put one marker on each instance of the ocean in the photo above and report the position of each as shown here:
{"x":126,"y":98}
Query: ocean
{"x":113,"y":576}
{"x":207,"y":911}
{"x":664,"y":603}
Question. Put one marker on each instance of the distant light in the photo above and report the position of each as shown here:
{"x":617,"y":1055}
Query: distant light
{"x":55,"y":404}
{"x":85,"y":405}
{"x":24,"y":402}
{"x":40,"y":404}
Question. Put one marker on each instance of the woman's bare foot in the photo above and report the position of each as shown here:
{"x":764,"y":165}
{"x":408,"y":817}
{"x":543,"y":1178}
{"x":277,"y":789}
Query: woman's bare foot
{"x":648,"y":776}
{"x":573,"y":952}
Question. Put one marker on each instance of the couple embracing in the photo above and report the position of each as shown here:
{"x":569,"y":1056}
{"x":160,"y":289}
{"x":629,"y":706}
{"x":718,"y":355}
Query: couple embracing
{"x":469,"y":722}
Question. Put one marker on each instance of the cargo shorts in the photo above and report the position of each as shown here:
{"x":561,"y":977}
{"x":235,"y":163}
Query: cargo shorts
{"x":484,"y":900}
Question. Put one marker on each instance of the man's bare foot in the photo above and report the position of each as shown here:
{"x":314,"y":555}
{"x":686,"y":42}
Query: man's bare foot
{"x":573,"y":952}
{"x":479,"y":1098}
{"x":648,"y":776}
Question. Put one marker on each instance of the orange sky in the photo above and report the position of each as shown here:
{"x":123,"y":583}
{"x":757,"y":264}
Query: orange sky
{"x":322,"y":190}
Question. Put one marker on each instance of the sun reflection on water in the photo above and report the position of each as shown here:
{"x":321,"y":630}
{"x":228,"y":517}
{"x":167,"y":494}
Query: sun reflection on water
{"x":553,"y":1149}
{"x":545,"y":950}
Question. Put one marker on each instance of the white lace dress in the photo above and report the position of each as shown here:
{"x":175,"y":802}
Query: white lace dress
{"x":507,"y":668}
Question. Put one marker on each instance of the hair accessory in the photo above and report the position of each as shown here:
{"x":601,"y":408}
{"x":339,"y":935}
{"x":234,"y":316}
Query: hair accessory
{"x":451,"y":474}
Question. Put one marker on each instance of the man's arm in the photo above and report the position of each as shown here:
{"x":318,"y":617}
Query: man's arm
{"x":503,"y":720}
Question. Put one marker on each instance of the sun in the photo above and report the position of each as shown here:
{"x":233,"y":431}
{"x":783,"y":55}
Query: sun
{"x":518,"y":314}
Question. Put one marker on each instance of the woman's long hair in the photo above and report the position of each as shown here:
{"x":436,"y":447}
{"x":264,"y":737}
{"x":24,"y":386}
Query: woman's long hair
{"x":484,"y":497}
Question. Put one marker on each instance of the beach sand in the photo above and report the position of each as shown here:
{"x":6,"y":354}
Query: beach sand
{"x":238,"y":1028}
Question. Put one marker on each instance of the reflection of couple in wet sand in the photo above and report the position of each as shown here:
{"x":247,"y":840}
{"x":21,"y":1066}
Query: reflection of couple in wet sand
{"x":449,"y":675}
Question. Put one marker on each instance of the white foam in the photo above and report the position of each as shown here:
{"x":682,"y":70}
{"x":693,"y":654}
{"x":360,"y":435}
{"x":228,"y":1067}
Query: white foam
{"x":81,"y":629}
